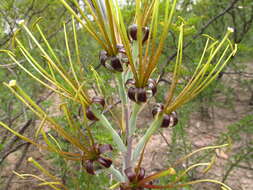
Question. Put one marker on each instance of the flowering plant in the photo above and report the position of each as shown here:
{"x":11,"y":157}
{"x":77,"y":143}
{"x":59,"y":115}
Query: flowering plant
{"x":132,"y":55}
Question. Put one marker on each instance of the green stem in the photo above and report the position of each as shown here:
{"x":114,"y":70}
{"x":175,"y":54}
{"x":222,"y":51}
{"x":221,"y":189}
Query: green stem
{"x":152,"y":129}
{"x":121,"y":88}
{"x":116,"y":173}
{"x":133,"y":118}
{"x":116,"y":138}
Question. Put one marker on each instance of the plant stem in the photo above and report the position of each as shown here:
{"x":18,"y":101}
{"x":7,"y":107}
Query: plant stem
{"x":121,"y":88}
{"x":128,"y":155}
{"x":116,"y":173}
{"x":116,"y":138}
{"x":133,"y":118}
{"x":154,"y":126}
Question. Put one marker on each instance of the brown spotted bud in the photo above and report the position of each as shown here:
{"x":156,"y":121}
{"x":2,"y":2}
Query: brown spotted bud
{"x":106,"y":162}
{"x":145,"y":34}
{"x":131,"y":176}
{"x":151,"y":88}
{"x":169,"y":120}
{"x":88,"y":165}
{"x":122,"y":54}
{"x":131,"y":93}
{"x":132,"y":32}
{"x":134,"y":176}
{"x":141,"y":174}
{"x":114,"y":62}
{"x":140,"y":95}
{"x":121,"y":48}
{"x":95,"y":158}
{"x":98,"y":101}
{"x":158,"y":108}
{"x":90,"y":115}
{"x":166,"y":121}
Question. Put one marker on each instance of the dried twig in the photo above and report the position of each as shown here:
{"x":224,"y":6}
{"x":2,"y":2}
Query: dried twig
{"x":8,"y":147}
{"x":17,"y":166}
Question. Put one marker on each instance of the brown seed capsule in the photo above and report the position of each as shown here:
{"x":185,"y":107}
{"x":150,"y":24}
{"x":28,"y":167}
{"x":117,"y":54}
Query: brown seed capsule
{"x":131,"y":93}
{"x":166,"y":121}
{"x":116,"y":64}
{"x":152,"y":85}
{"x":113,"y":63}
{"x":141,"y":174}
{"x":98,"y":100}
{"x":130,"y":174}
{"x":157,"y":109}
{"x":175,"y":118}
{"x":141,"y":95}
{"x":145,"y":34}
{"x":89,"y":167}
{"x":105,"y":162}
{"x":132,"y":31}
{"x":169,"y":120}
{"x":90,"y":115}
{"x":95,"y":100}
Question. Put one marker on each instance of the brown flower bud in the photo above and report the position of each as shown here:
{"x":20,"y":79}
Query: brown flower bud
{"x":141,"y":174}
{"x":145,"y":34}
{"x":132,"y":31}
{"x":106,"y":162}
{"x":131,"y":93}
{"x":98,"y":100}
{"x":113,"y":63}
{"x":130,"y":174}
{"x":157,"y":109}
{"x":169,"y":120}
{"x":116,"y":64}
{"x":90,"y":115}
{"x":89,"y":167}
{"x":140,"y":95}
{"x":95,"y":100}
{"x":166,"y":121}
